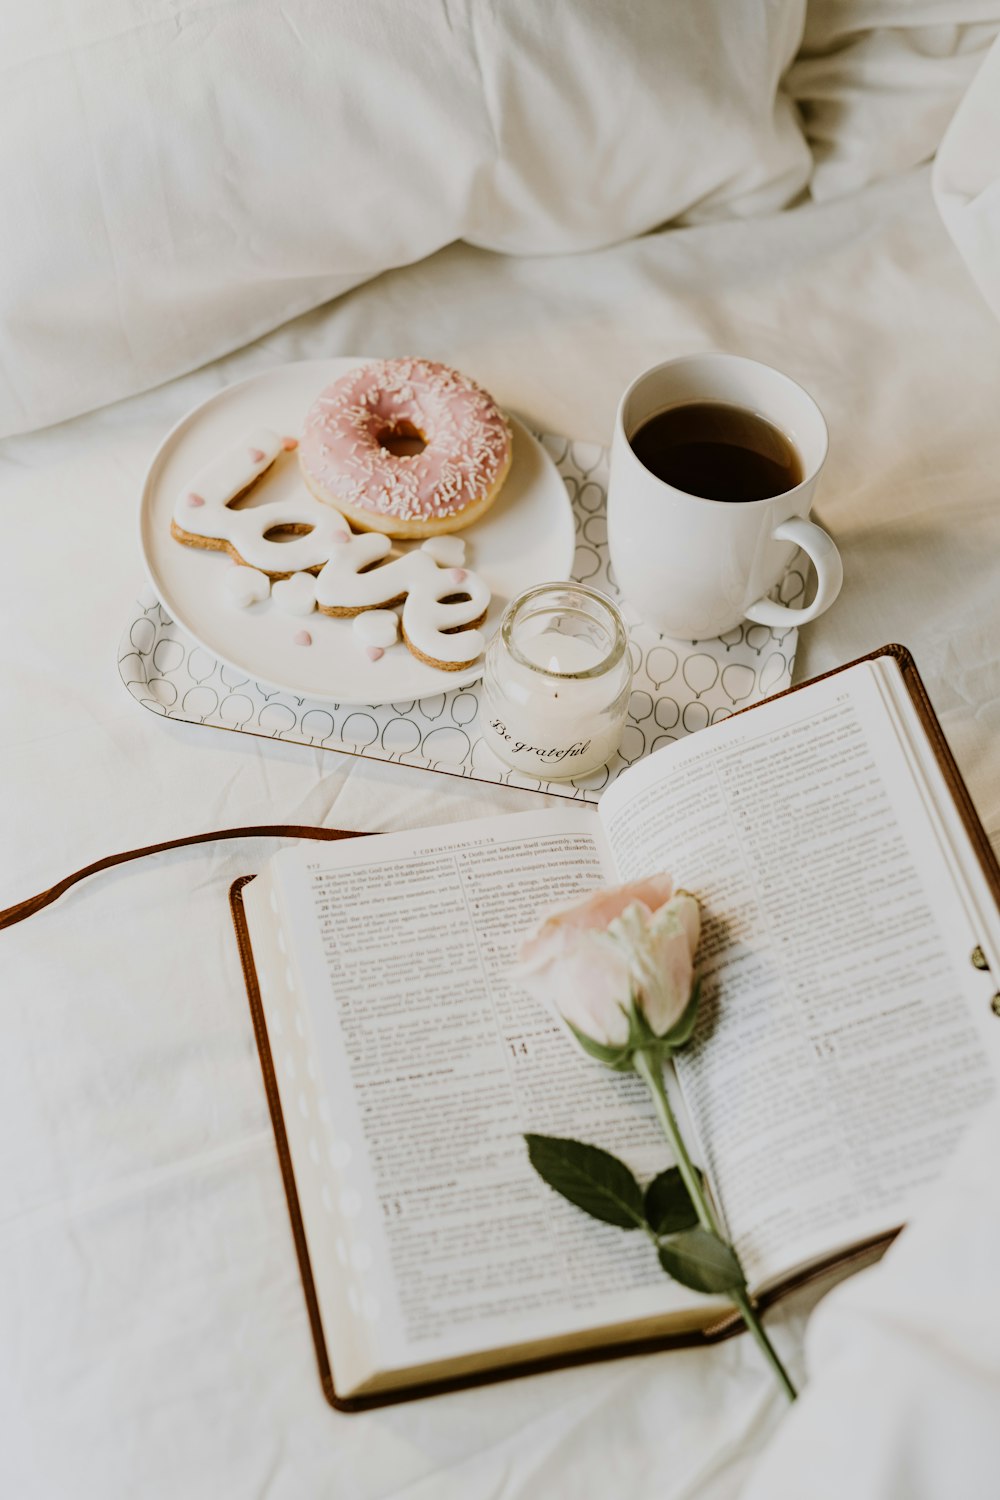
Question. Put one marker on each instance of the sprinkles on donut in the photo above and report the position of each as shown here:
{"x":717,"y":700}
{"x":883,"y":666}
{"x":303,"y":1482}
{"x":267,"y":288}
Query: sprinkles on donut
{"x":407,"y":447}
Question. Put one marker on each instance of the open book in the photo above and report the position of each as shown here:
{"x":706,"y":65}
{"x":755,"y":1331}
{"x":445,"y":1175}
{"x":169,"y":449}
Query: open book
{"x":846,"y":1036}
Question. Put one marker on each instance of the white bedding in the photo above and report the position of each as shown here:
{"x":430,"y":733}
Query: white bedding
{"x":153,"y":1338}
{"x":179,"y":178}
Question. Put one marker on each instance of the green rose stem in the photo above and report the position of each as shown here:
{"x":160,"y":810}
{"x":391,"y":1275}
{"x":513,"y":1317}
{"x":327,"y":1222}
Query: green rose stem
{"x":650,"y":1069}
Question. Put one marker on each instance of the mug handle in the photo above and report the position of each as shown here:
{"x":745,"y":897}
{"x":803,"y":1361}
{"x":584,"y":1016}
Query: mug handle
{"x":829,"y":575}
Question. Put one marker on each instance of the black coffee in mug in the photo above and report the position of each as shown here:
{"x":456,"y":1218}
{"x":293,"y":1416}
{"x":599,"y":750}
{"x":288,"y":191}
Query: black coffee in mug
{"x":718,"y":451}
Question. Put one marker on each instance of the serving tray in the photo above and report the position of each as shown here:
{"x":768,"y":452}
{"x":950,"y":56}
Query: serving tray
{"x":679,"y":686}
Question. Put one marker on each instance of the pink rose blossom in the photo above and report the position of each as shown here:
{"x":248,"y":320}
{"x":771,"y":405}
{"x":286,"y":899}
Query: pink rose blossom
{"x":631,"y":945}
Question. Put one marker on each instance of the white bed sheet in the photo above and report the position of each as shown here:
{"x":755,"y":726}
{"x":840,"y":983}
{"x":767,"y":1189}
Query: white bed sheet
{"x":153,"y":1338}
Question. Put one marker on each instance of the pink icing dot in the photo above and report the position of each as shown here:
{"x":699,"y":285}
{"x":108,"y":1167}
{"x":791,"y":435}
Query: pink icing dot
{"x":289,"y":444}
{"x":194,"y":500}
{"x":341,"y":536}
{"x":302,"y":638}
{"x":457,"y":575}
{"x":374,"y":653}
{"x":257,"y":455}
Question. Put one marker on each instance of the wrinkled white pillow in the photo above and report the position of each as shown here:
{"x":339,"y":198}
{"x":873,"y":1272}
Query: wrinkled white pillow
{"x":175,"y":179}
{"x":878,"y":80}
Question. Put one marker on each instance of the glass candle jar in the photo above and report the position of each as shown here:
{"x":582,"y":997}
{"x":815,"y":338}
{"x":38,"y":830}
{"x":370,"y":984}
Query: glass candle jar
{"x":556,"y":682}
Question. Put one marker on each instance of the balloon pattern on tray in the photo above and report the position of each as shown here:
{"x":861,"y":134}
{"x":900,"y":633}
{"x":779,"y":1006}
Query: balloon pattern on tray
{"x":679,"y":686}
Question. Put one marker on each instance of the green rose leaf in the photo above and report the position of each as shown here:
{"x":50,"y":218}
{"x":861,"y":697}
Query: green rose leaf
{"x":668,"y":1205}
{"x":701,"y":1261}
{"x":592,"y":1179}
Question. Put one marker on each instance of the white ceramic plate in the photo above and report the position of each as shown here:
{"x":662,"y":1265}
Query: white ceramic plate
{"x":526,"y":537}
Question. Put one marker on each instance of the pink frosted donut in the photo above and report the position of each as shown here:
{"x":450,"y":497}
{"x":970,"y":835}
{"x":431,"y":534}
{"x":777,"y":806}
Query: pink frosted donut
{"x":462,"y":435}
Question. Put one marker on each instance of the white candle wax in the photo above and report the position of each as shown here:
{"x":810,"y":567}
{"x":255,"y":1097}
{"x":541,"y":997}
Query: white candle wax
{"x":556,"y":652}
{"x":553,"y":727}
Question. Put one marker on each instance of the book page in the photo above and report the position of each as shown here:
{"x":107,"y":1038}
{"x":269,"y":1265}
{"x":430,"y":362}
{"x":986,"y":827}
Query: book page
{"x":969,"y":876}
{"x":433,"y":1061}
{"x":840,"y":1052}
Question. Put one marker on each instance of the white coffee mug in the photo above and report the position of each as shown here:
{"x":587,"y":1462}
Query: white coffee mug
{"x":693,"y":567}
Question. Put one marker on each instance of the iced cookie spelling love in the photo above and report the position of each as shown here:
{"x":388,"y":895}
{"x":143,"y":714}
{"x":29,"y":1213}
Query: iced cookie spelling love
{"x":441,"y":605}
{"x":204,"y":515}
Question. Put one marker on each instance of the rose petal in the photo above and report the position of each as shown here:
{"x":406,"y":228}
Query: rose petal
{"x":664,"y":997}
{"x":587,"y":986}
{"x":595,"y":912}
{"x":689,"y":911}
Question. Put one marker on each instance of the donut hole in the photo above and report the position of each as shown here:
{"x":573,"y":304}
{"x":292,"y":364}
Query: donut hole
{"x":288,"y":531}
{"x":402,"y":439}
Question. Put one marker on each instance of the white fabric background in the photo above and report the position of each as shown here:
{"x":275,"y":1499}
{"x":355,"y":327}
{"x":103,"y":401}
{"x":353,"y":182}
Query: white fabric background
{"x":153,"y":1338}
{"x":905,"y":1361}
{"x":218,"y":166}
{"x":877,"y":81}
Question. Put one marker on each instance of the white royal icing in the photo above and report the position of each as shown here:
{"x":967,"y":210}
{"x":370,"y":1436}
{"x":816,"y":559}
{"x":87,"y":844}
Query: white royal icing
{"x":449,"y":551}
{"x":351,"y":580}
{"x":203,"y":509}
{"x":426,"y":617}
{"x":376,"y":627}
{"x":245,"y":586}
{"x":295,"y":595}
{"x":345,"y":585}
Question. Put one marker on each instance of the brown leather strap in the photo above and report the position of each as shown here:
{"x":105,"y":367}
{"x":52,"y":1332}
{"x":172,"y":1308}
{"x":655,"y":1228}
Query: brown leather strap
{"x":33,"y":904}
